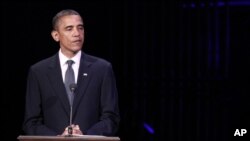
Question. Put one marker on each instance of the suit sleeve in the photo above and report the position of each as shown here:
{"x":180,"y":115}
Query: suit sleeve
{"x":33,"y":120}
{"x":109,"y":120}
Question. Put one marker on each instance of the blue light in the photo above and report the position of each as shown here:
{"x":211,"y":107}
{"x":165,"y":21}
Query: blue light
{"x":220,"y":4}
{"x":217,"y":4}
{"x":239,"y":3}
{"x":192,"y":5}
{"x":149,"y":128}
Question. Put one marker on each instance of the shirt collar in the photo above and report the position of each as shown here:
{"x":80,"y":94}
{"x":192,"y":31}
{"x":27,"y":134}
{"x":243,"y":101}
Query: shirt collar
{"x":63,"y":58}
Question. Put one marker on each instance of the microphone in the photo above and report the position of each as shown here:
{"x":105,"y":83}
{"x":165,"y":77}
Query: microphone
{"x":72,"y":88}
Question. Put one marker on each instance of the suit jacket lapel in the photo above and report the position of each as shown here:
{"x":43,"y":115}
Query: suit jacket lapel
{"x":55,"y":76}
{"x":82,"y":81}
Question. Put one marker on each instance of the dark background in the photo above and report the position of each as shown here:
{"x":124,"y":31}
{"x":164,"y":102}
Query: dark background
{"x":181,"y":65}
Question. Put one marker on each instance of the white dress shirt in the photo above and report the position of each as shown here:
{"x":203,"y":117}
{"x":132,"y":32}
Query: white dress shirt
{"x":63,"y":63}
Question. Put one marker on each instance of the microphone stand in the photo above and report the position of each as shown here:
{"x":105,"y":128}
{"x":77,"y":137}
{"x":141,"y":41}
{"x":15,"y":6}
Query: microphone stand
{"x":70,"y":129}
{"x":72,"y":88}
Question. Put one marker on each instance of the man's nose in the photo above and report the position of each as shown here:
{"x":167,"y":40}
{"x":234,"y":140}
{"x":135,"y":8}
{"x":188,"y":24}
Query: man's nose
{"x":76,"y":32}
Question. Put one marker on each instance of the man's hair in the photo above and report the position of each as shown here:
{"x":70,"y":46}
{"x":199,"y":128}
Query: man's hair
{"x":61,"y":14}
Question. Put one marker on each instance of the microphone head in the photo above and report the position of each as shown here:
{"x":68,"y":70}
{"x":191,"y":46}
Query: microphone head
{"x":72,"y":87}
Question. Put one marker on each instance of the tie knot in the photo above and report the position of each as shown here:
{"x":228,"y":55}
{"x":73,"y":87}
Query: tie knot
{"x":70,"y":62}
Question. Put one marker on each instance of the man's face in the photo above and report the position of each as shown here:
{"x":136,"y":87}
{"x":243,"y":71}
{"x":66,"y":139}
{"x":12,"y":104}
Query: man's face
{"x":70,"y":33}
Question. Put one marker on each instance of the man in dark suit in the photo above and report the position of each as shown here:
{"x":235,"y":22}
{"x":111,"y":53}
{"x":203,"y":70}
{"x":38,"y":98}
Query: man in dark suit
{"x":95,"y":101}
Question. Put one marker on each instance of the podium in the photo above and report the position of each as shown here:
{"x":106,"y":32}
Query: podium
{"x":73,"y":138}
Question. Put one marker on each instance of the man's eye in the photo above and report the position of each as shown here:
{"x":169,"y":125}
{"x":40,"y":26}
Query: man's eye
{"x":80,"y":27}
{"x":68,"y":29}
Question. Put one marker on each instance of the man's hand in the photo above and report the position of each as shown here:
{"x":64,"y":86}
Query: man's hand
{"x":75,"y":130}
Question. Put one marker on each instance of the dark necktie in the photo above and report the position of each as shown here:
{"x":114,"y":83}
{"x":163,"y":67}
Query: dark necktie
{"x":69,"y":79}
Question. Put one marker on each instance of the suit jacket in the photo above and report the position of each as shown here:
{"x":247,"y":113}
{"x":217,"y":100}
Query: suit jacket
{"x":95,"y":107}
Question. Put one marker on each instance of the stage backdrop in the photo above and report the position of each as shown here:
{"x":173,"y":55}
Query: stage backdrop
{"x":181,"y":66}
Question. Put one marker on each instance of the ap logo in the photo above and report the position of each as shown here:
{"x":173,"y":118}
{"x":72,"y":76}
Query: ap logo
{"x":240,"y":132}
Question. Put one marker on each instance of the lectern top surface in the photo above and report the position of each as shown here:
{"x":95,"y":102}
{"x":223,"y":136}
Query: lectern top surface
{"x":63,"y":138}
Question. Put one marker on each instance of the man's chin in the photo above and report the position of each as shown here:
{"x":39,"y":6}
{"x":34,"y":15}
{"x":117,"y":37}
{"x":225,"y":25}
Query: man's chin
{"x":76,"y":49}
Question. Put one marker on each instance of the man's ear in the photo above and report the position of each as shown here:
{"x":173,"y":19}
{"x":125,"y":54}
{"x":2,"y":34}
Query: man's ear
{"x":55,"y":35}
